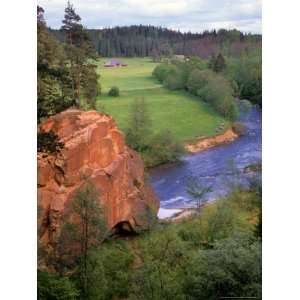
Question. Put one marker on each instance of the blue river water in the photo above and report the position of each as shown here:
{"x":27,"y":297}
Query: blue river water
{"x":221,"y":167}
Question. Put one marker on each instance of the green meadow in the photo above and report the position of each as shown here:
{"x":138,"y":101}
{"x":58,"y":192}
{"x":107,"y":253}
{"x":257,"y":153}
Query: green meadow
{"x":183,"y":114}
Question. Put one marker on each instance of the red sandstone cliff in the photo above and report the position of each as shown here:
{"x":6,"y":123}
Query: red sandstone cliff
{"x":93,"y":147}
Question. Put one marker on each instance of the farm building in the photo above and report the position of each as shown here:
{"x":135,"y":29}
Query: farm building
{"x":114,"y":63}
{"x":181,"y":57}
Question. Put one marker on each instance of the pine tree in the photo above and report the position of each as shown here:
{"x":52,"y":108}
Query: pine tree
{"x":84,"y":232}
{"x":139,"y":130}
{"x":79,"y":48}
{"x":53,"y":76}
{"x":220,"y":64}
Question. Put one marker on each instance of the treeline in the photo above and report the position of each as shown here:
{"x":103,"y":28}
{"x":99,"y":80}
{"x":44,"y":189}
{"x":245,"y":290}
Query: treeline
{"x":141,"y":41}
{"x":219,"y":81}
{"x":197,"y":78}
{"x":65,"y":73}
{"x":215,"y":254}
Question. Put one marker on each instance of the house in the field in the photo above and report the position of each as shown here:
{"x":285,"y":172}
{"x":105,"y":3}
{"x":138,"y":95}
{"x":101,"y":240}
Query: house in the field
{"x":114,"y":63}
{"x":181,"y":57}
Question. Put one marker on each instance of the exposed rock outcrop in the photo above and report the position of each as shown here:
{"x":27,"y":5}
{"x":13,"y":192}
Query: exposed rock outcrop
{"x":93,"y":148}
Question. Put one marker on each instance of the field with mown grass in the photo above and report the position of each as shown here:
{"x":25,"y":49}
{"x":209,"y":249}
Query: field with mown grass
{"x":183,"y":114}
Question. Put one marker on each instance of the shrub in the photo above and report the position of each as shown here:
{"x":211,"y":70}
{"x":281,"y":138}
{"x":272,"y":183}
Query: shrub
{"x":54,"y":287}
{"x":162,"y":70}
{"x":174,"y":80}
{"x":198,"y":79}
{"x":246,"y":72}
{"x":162,"y":148}
{"x":114,"y":92}
{"x":163,"y":254}
{"x":48,"y":142}
{"x":218,"y":93}
{"x":232,"y":268}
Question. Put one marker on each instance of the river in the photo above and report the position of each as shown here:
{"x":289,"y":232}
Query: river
{"x":220,"y":168}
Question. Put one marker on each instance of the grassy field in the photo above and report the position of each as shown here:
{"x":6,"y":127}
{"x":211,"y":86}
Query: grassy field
{"x":183,"y":114}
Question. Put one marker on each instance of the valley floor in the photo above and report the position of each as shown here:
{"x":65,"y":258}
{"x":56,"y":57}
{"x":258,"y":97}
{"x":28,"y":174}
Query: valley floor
{"x":181,"y":113}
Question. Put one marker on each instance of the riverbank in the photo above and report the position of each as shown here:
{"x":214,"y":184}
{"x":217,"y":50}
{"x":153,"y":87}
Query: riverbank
{"x":176,"y":215}
{"x":203,"y":144}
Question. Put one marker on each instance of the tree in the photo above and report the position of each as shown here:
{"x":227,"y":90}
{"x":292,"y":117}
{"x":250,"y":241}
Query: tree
{"x":84,"y":232}
{"x":139,"y":125}
{"x":231,"y":269}
{"x":198,"y":79}
{"x":91,"y":86}
{"x":197,"y":191}
{"x":79,"y":48}
{"x":162,"y":256}
{"x":220,"y":64}
{"x":53,"y":287}
{"x":217,"y":64}
{"x":162,"y":147}
{"x":53,"y":76}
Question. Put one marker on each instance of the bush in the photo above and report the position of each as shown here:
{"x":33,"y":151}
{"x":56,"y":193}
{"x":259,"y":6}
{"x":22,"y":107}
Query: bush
{"x":114,"y":92}
{"x":174,"y":80}
{"x":159,"y":276}
{"x":218,"y":93}
{"x":198,"y":79}
{"x":54,"y":287}
{"x":246,"y":72}
{"x":48,"y":142}
{"x":162,"y":148}
{"x":162,"y":70}
{"x":232,"y":268}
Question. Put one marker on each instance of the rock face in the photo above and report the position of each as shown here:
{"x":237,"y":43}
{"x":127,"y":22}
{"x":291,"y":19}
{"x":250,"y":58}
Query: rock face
{"x":93,"y":148}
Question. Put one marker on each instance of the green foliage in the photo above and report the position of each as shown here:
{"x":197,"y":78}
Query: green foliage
{"x":198,"y":79}
{"x":217,"y":64}
{"x":155,"y":149}
{"x":231,"y":269}
{"x":91,"y":85}
{"x":148,"y":218}
{"x":162,"y":148}
{"x":218,"y":93}
{"x":204,"y":83}
{"x":197,"y":190}
{"x":163,"y":70}
{"x":174,"y":80}
{"x":159,"y":276}
{"x":114,"y":92}
{"x":53,"y":77}
{"x":139,"y":125}
{"x":54,"y":287}
{"x":79,"y":49}
{"x":79,"y":236}
{"x":48,"y":142}
{"x":117,"y":261}
{"x":247,"y":73}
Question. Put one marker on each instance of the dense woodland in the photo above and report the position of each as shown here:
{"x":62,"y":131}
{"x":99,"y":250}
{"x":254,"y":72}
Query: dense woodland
{"x":214,"y":254}
{"x":140,"y":40}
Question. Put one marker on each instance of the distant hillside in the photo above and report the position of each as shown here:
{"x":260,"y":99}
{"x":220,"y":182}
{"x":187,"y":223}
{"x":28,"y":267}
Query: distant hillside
{"x":139,"y":40}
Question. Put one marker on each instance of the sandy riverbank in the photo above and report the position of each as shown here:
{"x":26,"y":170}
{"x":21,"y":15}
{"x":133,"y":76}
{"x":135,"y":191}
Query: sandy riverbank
{"x":206,"y":143}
